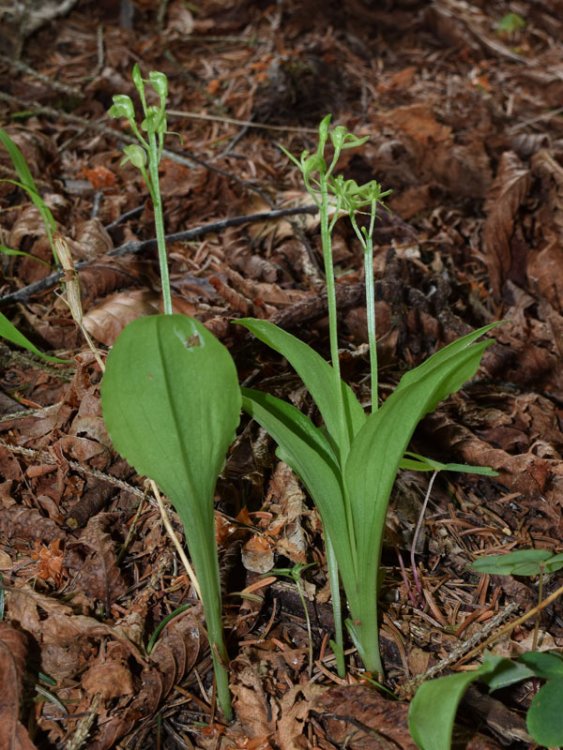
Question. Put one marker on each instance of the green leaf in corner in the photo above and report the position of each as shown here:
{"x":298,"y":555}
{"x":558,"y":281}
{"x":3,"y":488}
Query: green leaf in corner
{"x":433,"y":708}
{"x":545,"y":717}
{"x":545,"y":664}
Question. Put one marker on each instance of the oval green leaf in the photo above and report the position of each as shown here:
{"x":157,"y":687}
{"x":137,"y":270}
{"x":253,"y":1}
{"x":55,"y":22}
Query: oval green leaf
{"x":171,"y":402}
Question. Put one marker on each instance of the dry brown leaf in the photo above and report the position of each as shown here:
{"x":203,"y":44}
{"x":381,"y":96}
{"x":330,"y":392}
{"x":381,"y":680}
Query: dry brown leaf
{"x":504,"y":199}
{"x":418,"y":122}
{"x":287,"y":502}
{"x":258,"y":554}
{"x":92,"y":241}
{"x":363,"y":719}
{"x":65,"y":638}
{"x":295,"y":707}
{"x":252,"y":707}
{"x":545,"y":265}
{"x":106,"y":321}
{"x":148,"y":695}
{"x":13,"y":651}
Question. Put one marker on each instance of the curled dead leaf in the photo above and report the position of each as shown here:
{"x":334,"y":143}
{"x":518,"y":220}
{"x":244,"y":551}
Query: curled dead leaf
{"x":106,"y":321}
{"x":109,"y":679}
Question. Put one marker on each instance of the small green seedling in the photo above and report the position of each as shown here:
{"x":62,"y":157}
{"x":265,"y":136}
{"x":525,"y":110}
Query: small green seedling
{"x":510,"y":23}
{"x":170,"y":394}
{"x":296,"y":573}
{"x":433,"y":709}
{"x":524,"y":562}
{"x":349,"y":466}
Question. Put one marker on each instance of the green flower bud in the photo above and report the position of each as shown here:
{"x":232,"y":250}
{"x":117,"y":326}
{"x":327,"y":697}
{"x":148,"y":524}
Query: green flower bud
{"x":136,"y":155}
{"x":122,"y":107}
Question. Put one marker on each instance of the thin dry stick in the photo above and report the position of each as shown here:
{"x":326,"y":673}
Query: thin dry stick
{"x":457,"y":658}
{"x":73,"y":296}
{"x":458,"y":652}
{"x":511,"y":625}
{"x":415,"y":575}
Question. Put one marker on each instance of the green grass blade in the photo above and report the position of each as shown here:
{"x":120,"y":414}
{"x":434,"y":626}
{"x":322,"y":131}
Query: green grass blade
{"x":9,"y":332}
{"x":171,"y":403}
{"x":307,"y":451}
{"x":318,"y":377}
{"x":416,"y":462}
{"x":26,"y":182}
{"x":371,"y":469}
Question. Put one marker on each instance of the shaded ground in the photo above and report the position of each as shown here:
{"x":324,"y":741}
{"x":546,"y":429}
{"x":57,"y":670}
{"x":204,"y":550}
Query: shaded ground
{"x":466,"y":127}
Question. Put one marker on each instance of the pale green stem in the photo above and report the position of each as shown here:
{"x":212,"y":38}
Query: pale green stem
{"x":362,"y":625}
{"x":301,"y":593}
{"x":334,"y":581}
{"x":326,"y":241}
{"x":370,"y":306}
{"x":370,"y":311}
{"x":200,"y":535}
{"x":159,"y":224}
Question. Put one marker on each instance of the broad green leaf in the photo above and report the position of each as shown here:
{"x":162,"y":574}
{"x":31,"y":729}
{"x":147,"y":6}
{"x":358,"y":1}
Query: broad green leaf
{"x":171,"y":403}
{"x":545,"y":715}
{"x":378,"y":448}
{"x":9,"y":331}
{"x":544,"y":664}
{"x":317,"y":376}
{"x":433,"y":708}
{"x":416,"y":462}
{"x":524,"y":562}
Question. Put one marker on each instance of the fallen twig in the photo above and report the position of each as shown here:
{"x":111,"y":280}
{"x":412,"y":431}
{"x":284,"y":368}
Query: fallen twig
{"x":137,"y":246}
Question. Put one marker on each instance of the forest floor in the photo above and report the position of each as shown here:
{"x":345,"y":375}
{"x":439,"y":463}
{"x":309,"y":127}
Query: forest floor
{"x":463,"y":109}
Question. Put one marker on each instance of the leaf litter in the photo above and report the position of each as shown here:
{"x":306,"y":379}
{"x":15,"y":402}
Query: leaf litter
{"x":465,"y":126}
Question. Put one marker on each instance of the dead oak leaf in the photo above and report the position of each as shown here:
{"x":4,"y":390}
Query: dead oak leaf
{"x":505,"y":197}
